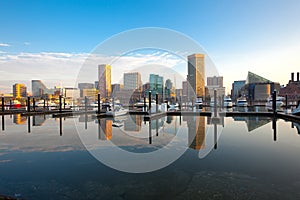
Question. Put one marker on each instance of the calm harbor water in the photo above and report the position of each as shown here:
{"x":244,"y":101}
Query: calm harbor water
{"x":232,"y":158}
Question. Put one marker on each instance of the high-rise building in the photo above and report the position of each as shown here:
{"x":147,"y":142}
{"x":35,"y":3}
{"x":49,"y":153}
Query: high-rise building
{"x":132,"y":81}
{"x":115,"y":88}
{"x":236,"y":87}
{"x":39,"y":89}
{"x":196,"y":75}
{"x":168,"y":88}
{"x":156,"y":84}
{"x":19,"y":90}
{"x":83,"y":86}
{"x":215,"y":83}
{"x":104,"y":78}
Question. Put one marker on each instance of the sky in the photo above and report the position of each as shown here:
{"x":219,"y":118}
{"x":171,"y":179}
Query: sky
{"x":50,"y":40}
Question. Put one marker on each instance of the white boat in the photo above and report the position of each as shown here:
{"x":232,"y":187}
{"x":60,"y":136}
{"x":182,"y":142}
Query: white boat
{"x":297,"y":110}
{"x":198,"y":103}
{"x":117,"y":111}
{"x":227,"y":102}
{"x":242,"y":102}
{"x":279,"y":102}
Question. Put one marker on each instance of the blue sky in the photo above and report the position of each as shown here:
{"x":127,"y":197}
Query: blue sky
{"x":233,"y":32}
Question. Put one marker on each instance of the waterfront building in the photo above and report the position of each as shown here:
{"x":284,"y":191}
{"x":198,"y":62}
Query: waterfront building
{"x":83,"y":86}
{"x":196,"y":75}
{"x":19,"y":90}
{"x":215,"y":83}
{"x":168,"y":88}
{"x":39,"y":89}
{"x":115,"y":88}
{"x":184,"y":91}
{"x":132,"y":81}
{"x":236,"y":89}
{"x":145,"y":89}
{"x":156,"y":85}
{"x":258,"y":88}
{"x":92,"y":93}
{"x":104,"y":80}
{"x":71,"y":93}
{"x":292,"y":89}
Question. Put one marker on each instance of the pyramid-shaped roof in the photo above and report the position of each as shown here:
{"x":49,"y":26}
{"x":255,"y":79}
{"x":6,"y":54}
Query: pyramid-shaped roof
{"x":254,"y":78}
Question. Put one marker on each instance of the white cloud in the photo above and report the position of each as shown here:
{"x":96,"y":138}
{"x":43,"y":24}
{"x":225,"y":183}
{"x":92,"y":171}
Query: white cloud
{"x":55,"y":68}
{"x":27,"y":43}
{"x":4,"y":45}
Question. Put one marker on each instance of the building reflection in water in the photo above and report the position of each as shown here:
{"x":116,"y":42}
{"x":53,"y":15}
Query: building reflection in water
{"x":253,"y":122}
{"x":38,"y":120}
{"x":133,"y":123}
{"x":297,"y":125}
{"x":19,"y":119}
{"x":196,"y":132}
{"x":105,"y":129}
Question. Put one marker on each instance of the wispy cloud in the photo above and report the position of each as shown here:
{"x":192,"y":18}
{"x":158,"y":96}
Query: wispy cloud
{"x":27,"y":43}
{"x":70,"y":68}
{"x":4,"y":45}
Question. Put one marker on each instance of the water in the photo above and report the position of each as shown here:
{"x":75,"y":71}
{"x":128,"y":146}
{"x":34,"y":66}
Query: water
{"x":254,"y":158}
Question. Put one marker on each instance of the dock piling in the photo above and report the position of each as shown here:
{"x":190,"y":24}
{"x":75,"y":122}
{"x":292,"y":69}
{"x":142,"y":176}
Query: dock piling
{"x":28,"y":104}
{"x":156,"y":109}
{"x":98,"y":103}
{"x":274,"y":102}
{"x":149,"y":102}
{"x":60,"y":109}
{"x":2,"y":99}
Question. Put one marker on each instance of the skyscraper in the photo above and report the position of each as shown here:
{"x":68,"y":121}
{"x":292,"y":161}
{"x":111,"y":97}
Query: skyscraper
{"x":38,"y":88}
{"x":132,"y":81}
{"x":196,"y":75}
{"x":156,"y":84}
{"x":19,"y":90}
{"x":104,"y":78}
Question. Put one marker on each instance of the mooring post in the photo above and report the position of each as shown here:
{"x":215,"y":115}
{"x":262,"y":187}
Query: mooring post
{"x":2,"y":99}
{"x":60,"y":103}
{"x":28,"y":104}
{"x":64,"y":103}
{"x":145,"y":104}
{"x":149,"y":102}
{"x":33,"y":103}
{"x":156,"y":109}
{"x":85,"y":104}
{"x":215,"y":103}
{"x":98,"y":103}
{"x":10,"y":104}
{"x":274,"y":102}
{"x":180,"y":99}
{"x":44,"y":104}
{"x":286,"y":103}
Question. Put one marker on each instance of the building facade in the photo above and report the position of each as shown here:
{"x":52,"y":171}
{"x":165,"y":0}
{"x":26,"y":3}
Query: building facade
{"x":236,"y":89}
{"x":196,"y":75}
{"x":104,"y":80}
{"x":156,"y":85}
{"x":83,"y":86}
{"x":19,"y":90}
{"x":132,"y":81}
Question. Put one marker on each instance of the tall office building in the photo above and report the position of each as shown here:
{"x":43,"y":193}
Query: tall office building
{"x":236,"y":87}
{"x":156,"y":84}
{"x":132,"y":81}
{"x":196,"y":75}
{"x":215,"y":83}
{"x":19,"y":90}
{"x":39,"y":89}
{"x":104,"y":80}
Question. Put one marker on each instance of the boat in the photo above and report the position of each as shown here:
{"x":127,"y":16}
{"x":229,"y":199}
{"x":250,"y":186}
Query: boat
{"x":117,"y":111}
{"x":297,"y":110}
{"x":242,"y":102}
{"x":279,"y":102}
{"x":199,"y":103}
{"x":227,"y":102}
